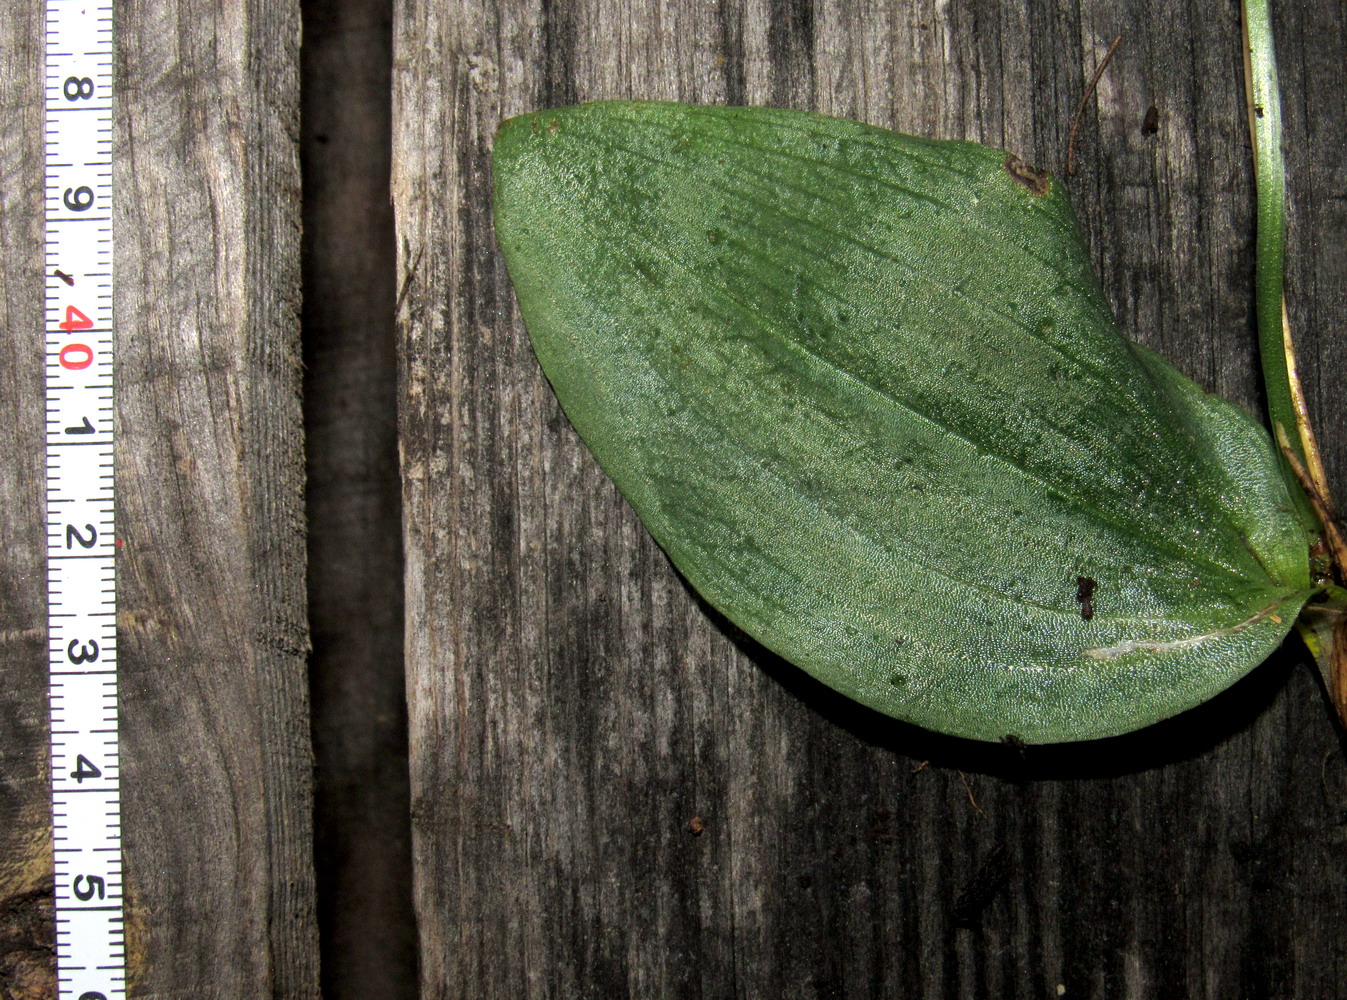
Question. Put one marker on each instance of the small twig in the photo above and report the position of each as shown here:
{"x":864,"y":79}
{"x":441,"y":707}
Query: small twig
{"x":1314,"y":463}
{"x":1323,"y":770}
{"x":971,"y":800}
{"x":407,"y":281}
{"x":1075,"y":122}
{"x":1323,"y":506}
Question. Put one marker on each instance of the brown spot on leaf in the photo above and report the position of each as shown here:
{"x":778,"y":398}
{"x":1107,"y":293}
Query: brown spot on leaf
{"x":1037,"y":181}
{"x":1085,"y":596}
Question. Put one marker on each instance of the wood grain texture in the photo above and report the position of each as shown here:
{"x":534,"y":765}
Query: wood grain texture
{"x":26,"y":928}
{"x":215,"y":750}
{"x":216,"y":756}
{"x":614,"y":793}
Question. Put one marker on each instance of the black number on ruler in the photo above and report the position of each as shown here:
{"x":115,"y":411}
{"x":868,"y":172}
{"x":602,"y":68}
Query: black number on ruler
{"x":87,"y":652}
{"x":92,"y":884}
{"x":78,"y":199}
{"x":87,"y":428}
{"x":73,"y":537}
{"x":78,"y":88}
{"x":84,"y":768}
{"x":93,"y":995}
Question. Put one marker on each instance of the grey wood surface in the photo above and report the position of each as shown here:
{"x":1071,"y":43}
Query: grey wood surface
{"x":615,"y":793}
{"x":217,"y":772}
{"x":25,"y":814}
{"x":216,"y":766}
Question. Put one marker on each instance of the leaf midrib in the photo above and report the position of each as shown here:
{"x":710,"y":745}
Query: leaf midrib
{"x":1171,"y":549}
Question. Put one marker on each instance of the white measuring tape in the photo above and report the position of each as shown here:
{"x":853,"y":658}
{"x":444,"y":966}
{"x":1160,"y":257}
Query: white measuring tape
{"x":81,"y":545}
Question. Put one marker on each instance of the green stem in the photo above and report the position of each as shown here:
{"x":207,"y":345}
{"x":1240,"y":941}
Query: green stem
{"x":1265,"y":127}
{"x":1322,"y":623}
{"x":1285,"y":401}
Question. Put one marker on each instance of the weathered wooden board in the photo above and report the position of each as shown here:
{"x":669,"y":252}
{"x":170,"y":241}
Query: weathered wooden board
{"x":26,"y":930}
{"x":216,"y":762}
{"x":614,"y":794}
{"x":210,"y":476}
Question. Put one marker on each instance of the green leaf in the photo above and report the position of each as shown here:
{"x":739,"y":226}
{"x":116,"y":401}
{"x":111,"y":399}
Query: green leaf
{"x":864,"y":390}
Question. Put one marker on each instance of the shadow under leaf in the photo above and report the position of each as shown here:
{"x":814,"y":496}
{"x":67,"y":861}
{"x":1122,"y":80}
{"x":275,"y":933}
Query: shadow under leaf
{"x":1180,"y":738}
